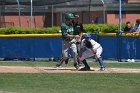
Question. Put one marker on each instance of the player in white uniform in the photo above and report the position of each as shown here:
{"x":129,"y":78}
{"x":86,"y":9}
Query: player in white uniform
{"x":92,"y":49}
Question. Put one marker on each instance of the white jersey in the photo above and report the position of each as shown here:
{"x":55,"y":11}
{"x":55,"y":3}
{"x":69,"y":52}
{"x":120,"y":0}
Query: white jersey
{"x":95,"y":44}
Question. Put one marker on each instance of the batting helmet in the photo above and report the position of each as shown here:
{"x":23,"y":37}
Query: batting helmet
{"x":87,"y":35}
{"x":69,"y":16}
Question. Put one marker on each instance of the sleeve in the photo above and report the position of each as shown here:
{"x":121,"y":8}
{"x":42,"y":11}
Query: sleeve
{"x":125,"y":29}
{"x":63,"y":29}
{"x":81,"y":28}
{"x":93,"y":42}
{"x":82,"y":44}
{"x":133,"y":28}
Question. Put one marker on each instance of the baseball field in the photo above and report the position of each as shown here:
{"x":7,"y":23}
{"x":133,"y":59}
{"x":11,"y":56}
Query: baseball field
{"x":42,"y":77}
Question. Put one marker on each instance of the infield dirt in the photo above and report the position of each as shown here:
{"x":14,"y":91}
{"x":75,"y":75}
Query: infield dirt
{"x":25,"y":69}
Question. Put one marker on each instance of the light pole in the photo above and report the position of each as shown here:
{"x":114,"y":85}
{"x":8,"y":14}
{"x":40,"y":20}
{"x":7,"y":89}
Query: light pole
{"x":52,"y":13}
{"x":103,"y":9}
{"x":120,"y":16}
{"x":89,"y":9}
{"x":31,"y":14}
{"x":19,"y":19}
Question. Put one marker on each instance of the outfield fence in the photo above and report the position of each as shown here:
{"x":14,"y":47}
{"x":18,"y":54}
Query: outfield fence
{"x":49,"y":45}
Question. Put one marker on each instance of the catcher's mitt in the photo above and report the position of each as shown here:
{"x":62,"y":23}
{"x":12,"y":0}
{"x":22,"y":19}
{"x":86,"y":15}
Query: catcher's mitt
{"x":88,"y":44}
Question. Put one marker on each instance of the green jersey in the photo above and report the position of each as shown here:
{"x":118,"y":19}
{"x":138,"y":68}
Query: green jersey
{"x":67,"y":29}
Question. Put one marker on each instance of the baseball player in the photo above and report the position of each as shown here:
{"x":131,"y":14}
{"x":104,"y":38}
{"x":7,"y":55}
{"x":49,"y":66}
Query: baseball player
{"x":78,"y":28}
{"x":68,"y":40}
{"x":92,"y":48}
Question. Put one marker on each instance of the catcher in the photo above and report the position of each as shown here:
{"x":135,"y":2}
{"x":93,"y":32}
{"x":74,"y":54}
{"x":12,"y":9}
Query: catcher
{"x":92,"y":48}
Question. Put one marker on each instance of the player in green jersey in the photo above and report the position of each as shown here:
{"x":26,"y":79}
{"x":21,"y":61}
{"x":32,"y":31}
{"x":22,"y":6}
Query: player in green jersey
{"x":69,"y":40}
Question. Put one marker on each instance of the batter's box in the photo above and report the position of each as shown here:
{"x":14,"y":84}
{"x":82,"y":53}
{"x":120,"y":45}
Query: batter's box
{"x":60,"y":68}
{"x":66,"y":68}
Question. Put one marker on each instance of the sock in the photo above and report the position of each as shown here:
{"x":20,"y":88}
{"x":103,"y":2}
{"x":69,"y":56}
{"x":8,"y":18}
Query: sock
{"x":85,"y":63}
{"x":75,"y":64}
{"x":100,"y":62}
{"x":78,"y":61}
{"x":66,"y":61}
{"x":60,"y":62}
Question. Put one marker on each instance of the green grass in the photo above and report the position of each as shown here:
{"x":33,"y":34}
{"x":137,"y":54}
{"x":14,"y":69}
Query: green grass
{"x":70,"y":83}
{"x":48,"y":64}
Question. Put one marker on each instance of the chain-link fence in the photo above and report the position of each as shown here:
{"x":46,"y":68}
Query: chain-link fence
{"x":46,"y":13}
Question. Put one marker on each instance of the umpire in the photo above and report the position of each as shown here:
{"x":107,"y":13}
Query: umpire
{"x":78,"y":27}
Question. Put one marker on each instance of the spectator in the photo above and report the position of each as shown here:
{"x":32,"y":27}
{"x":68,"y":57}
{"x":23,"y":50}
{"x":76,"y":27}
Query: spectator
{"x":128,"y":41}
{"x":131,"y":45}
{"x":128,"y":27}
{"x":136,"y":27}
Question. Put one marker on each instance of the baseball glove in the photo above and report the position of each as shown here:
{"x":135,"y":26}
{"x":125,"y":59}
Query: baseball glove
{"x":88,"y":44}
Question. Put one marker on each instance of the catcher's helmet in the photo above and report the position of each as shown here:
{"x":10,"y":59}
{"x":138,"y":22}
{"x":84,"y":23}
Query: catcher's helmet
{"x":69,"y":16}
{"x":87,"y":35}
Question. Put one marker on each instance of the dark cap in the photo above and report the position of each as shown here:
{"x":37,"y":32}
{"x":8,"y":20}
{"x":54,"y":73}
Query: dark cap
{"x":128,"y":22}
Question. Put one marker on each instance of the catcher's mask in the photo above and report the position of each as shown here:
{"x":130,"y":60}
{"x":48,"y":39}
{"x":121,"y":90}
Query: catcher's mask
{"x":87,"y":35}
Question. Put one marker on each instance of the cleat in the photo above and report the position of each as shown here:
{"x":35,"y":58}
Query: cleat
{"x":85,"y":69}
{"x":77,"y":67}
{"x":102,"y":69}
{"x":57,"y":66}
{"x":132,"y":60}
{"x":128,"y":60}
{"x":79,"y":64}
